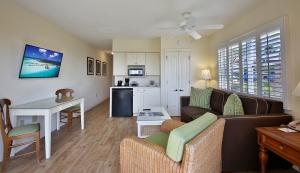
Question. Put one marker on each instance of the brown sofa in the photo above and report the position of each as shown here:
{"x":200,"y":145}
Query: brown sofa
{"x":239,"y":148}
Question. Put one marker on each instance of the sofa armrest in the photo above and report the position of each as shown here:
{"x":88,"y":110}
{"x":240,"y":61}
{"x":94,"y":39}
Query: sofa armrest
{"x":184,"y":101}
{"x":240,"y":149}
{"x":168,"y":125}
{"x":139,"y":155}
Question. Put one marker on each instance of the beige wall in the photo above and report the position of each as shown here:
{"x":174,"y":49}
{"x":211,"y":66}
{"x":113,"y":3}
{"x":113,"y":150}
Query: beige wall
{"x":134,"y":45}
{"x":20,"y":26}
{"x":263,"y":14}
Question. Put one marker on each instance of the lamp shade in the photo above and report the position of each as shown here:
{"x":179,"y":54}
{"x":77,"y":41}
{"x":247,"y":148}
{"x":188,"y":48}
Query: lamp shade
{"x":296,"y":91}
{"x":205,"y":74}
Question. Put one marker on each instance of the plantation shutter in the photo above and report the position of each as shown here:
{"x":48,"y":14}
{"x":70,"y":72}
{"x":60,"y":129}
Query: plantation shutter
{"x":222,"y":68}
{"x":271,"y":64}
{"x":234,"y":67}
{"x":249,"y":66}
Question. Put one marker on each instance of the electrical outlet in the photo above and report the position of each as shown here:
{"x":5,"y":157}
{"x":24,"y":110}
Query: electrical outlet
{"x":22,"y":122}
{"x":34,"y":118}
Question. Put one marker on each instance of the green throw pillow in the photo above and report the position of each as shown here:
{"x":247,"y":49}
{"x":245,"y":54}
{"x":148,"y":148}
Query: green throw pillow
{"x":233,"y":106}
{"x":185,"y":133}
{"x":200,"y":97}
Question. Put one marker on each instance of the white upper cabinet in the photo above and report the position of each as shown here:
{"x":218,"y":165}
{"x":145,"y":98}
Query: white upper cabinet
{"x":152,"y":64}
{"x":119,"y":64}
{"x":136,"y":58}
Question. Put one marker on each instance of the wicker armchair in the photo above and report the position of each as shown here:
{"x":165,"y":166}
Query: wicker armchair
{"x":201,"y":154}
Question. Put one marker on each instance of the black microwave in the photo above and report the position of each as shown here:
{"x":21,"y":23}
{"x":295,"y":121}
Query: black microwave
{"x":136,"y":72}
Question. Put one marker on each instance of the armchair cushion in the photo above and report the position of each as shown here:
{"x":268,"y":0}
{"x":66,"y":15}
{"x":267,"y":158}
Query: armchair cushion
{"x":183,"y":134}
{"x":200,"y":97}
{"x":159,"y":138}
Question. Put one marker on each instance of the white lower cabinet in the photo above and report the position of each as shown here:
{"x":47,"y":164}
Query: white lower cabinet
{"x":151,"y":97}
{"x":138,"y":96}
{"x":145,"y":97}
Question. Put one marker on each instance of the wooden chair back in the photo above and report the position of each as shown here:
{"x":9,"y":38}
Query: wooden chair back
{"x":64,"y":92}
{"x":5,"y":124}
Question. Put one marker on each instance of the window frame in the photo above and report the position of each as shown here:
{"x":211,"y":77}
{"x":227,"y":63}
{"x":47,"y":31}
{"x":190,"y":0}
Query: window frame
{"x":282,"y":24}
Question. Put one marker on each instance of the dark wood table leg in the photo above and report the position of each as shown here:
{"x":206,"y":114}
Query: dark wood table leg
{"x":263,"y":156}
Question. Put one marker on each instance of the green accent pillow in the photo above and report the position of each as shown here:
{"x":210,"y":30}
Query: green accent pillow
{"x":200,"y":97}
{"x":233,"y":106}
{"x":159,"y":138}
{"x":185,"y":133}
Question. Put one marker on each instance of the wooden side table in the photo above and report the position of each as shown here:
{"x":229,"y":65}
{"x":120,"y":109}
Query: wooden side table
{"x":286,"y":145}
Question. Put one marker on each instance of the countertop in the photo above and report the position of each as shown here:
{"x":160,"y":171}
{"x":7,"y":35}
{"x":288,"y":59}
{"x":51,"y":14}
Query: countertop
{"x":139,"y":86}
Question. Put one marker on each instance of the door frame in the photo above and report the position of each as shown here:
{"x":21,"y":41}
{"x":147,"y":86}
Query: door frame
{"x":166,"y":71}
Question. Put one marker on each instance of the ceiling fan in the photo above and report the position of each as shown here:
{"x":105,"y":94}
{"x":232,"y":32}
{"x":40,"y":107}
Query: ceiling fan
{"x":190,"y":28}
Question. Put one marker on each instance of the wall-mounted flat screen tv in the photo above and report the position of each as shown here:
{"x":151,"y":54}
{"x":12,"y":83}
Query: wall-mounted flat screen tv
{"x":40,"y":63}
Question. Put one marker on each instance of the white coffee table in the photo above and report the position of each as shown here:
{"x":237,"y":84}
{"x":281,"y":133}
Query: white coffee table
{"x":147,"y":120}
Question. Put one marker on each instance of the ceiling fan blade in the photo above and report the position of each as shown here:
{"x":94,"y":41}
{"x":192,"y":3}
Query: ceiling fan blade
{"x":208,"y":27}
{"x":194,"y":34}
{"x":173,"y":35}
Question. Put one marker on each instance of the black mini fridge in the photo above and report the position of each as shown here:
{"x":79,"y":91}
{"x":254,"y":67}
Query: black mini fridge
{"x":122,"y":102}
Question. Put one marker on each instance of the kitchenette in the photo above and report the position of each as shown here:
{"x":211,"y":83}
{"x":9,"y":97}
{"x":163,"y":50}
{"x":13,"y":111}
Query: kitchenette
{"x":136,"y":83}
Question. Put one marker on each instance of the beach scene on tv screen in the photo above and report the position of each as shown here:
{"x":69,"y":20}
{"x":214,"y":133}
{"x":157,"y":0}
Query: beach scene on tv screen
{"x":39,"y":62}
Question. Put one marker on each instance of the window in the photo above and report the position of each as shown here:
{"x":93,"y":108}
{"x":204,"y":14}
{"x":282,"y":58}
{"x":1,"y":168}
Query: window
{"x":255,"y":63}
{"x":222,"y":69}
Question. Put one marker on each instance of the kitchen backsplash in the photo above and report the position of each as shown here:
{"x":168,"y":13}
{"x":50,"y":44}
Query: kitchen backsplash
{"x":141,"y":80}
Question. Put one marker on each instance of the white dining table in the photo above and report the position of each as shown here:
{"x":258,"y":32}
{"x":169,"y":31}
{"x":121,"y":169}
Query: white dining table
{"x":46,"y":108}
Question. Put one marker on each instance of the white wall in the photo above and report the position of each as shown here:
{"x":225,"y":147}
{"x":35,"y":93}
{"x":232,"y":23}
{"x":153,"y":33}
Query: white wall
{"x":20,"y":26}
{"x":259,"y":16}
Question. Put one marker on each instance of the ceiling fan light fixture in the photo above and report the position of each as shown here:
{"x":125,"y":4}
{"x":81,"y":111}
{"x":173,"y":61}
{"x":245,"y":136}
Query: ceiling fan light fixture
{"x":186,"y":15}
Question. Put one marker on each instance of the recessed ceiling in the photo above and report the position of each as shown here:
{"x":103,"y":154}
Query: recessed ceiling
{"x":98,"y":22}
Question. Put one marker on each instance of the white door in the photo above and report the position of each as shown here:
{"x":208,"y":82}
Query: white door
{"x":178,"y":79}
{"x":184,"y":74}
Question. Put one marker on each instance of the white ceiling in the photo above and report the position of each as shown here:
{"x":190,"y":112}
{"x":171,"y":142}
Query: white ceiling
{"x":98,"y":22}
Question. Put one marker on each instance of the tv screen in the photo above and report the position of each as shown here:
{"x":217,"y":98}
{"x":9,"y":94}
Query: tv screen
{"x":40,"y":63}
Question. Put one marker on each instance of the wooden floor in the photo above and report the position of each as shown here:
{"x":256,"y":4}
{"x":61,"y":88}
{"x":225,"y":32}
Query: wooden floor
{"x":94,"y":149}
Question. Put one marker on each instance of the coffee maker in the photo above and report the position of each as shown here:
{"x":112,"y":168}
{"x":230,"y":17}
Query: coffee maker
{"x":126,"y":82}
{"x":120,"y":83}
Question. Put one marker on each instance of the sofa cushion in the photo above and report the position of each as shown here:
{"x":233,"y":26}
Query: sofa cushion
{"x":159,"y":138}
{"x":183,"y":134}
{"x":253,"y":105}
{"x":217,"y":100}
{"x":233,"y":106}
{"x":200,"y":97}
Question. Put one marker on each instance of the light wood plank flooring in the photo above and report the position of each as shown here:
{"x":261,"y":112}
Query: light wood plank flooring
{"x":94,"y":149}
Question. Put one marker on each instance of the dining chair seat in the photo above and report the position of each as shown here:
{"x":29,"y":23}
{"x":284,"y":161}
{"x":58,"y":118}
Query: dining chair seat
{"x":23,"y":130}
{"x":73,"y":108}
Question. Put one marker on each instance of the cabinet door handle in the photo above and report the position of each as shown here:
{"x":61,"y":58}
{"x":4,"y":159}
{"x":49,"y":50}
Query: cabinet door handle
{"x":176,"y":90}
{"x":181,"y":90}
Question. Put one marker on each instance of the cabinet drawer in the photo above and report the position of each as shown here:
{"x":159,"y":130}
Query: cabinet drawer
{"x":138,"y":90}
{"x":280,"y":148}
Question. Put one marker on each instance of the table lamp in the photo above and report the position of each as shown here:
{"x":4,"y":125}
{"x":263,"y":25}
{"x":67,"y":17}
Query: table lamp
{"x":206,"y":75}
{"x":296,"y":91}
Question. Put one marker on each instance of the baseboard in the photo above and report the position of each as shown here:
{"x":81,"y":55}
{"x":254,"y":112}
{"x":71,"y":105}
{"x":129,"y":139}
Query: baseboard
{"x":296,"y":168}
